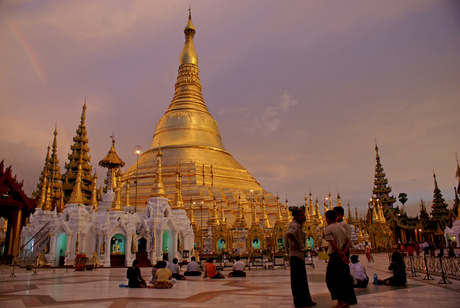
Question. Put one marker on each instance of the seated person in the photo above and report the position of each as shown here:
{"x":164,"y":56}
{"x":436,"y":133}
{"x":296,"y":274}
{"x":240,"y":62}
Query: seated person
{"x":134,"y":276}
{"x":163,"y":277}
{"x":210,"y":270}
{"x":174,"y":268}
{"x":154,"y":271}
{"x":193,"y":268}
{"x":399,"y":272}
{"x":238,"y":268}
{"x":359,"y":272}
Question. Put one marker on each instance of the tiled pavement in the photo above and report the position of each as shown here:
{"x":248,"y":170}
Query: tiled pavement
{"x":261,"y":288}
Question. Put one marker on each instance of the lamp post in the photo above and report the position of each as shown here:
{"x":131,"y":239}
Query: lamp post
{"x":137,"y":151}
{"x":201,"y":219}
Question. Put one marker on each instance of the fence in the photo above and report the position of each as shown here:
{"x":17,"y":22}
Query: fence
{"x":450,"y":265}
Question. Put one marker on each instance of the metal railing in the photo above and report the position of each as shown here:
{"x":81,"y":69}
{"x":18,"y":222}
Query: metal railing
{"x":434,"y":266}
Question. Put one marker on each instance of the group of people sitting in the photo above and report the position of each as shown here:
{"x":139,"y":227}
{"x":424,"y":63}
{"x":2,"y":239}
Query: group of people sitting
{"x":164,"y":272}
{"x":397,"y":266}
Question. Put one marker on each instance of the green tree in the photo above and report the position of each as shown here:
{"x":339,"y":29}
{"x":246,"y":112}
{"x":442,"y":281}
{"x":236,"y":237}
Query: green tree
{"x":402,"y":198}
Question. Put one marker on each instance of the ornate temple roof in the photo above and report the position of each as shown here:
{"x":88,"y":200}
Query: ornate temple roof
{"x":112,"y":160}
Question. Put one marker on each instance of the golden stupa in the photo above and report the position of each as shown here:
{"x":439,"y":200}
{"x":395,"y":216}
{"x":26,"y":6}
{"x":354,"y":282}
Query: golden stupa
{"x":190,"y":143}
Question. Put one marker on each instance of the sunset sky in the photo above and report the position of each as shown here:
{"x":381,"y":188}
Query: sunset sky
{"x":300,"y":89}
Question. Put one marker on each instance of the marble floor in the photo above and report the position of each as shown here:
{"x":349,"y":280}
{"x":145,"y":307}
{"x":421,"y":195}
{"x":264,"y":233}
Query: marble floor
{"x":261,"y":288}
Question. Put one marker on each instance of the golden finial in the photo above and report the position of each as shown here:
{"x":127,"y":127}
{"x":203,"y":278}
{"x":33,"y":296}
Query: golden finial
{"x":94,"y":203}
{"x":178,"y":202}
{"x":158,"y":189}
{"x":77,"y":197}
{"x":83,"y":114}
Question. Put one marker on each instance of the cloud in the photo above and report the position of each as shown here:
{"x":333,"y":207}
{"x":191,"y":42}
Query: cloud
{"x":269,"y":121}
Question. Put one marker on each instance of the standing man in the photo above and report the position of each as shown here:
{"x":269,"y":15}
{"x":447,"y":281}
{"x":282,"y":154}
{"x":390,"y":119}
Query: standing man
{"x":340,"y":212}
{"x":338,"y":277}
{"x":295,"y":244}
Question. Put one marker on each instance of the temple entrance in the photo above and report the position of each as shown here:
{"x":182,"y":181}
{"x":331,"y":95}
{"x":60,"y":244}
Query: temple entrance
{"x":61,"y":245}
{"x":117,"y":250}
{"x":142,"y":244}
{"x":166,"y":244}
{"x":142,"y":254}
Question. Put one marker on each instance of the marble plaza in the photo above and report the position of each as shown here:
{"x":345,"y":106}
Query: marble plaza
{"x":261,"y":288}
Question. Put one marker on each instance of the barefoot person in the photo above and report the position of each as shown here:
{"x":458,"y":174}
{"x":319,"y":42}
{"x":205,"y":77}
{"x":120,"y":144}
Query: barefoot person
{"x":295,"y":244}
{"x":135,"y":279}
{"x":338,"y":277}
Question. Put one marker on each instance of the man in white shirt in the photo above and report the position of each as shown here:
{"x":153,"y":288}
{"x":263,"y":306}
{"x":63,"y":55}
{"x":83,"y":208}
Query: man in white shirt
{"x":174,"y":268}
{"x":193,"y":268}
{"x":359,"y":272}
{"x":238,"y":268}
{"x":338,"y":279}
{"x":295,"y":244}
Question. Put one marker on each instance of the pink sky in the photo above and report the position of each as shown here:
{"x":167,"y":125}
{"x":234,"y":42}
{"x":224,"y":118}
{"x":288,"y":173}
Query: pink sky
{"x":300,"y":89}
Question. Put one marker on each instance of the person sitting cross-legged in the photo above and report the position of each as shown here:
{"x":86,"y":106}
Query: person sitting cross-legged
{"x":174,"y":268}
{"x":238,"y":268}
{"x":134,"y":276}
{"x":193,"y":268}
{"x":163,"y":277}
{"x":210,"y":270}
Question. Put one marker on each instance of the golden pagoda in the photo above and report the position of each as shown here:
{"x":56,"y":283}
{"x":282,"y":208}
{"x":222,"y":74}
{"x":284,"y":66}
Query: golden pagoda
{"x":189,"y":136}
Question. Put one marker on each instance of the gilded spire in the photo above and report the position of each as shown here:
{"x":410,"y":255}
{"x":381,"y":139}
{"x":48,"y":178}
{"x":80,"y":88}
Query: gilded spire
{"x":188,"y":55}
{"x":264,"y":221}
{"x":279,"y":217}
{"x":312,"y":207}
{"x":339,"y":200}
{"x":127,"y":192}
{"x":83,"y":114}
{"x":192,"y":218}
{"x":178,"y":202}
{"x":41,"y":201}
{"x":77,"y":197}
{"x":239,"y":222}
{"x":222,"y":216}
{"x":117,"y":202}
{"x":47,"y":206}
{"x":94,"y":203}
{"x":214,"y":219}
{"x":158,"y":189}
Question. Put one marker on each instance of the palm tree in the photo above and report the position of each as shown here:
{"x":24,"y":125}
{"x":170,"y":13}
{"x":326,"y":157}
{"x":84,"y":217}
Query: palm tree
{"x":402,"y":198}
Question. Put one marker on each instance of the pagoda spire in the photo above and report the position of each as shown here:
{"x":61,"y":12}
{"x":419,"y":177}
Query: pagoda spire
{"x":319,"y":220}
{"x":222,"y":214}
{"x":214,"y":219}
{"x":279,"y":216}
{"x":193,"y":222}
{"x":128,"y":204}
{"x":47,"y":206}
{"x":312,"y":207}
{"x":439,"y":206}
{"x":43,"y":176}
{"x":330,"y":200}
{"x":158,"y":189}
{"x":264,"y":220}
{"x":178,"y":202}
{"x":94,"y":202}
{"x":79,"y":149}
{"x":381,"y":189}
{"x":55,"y":174}
{"x":288,"y":212}
{"x":339,"y":200}
{"x":239,"y":222}
{"x":350,"y":219}
{"x":457,"y":174}
{"x":77,"y":197}
{"x":112,"y":162}
{"x":117,"y":202}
